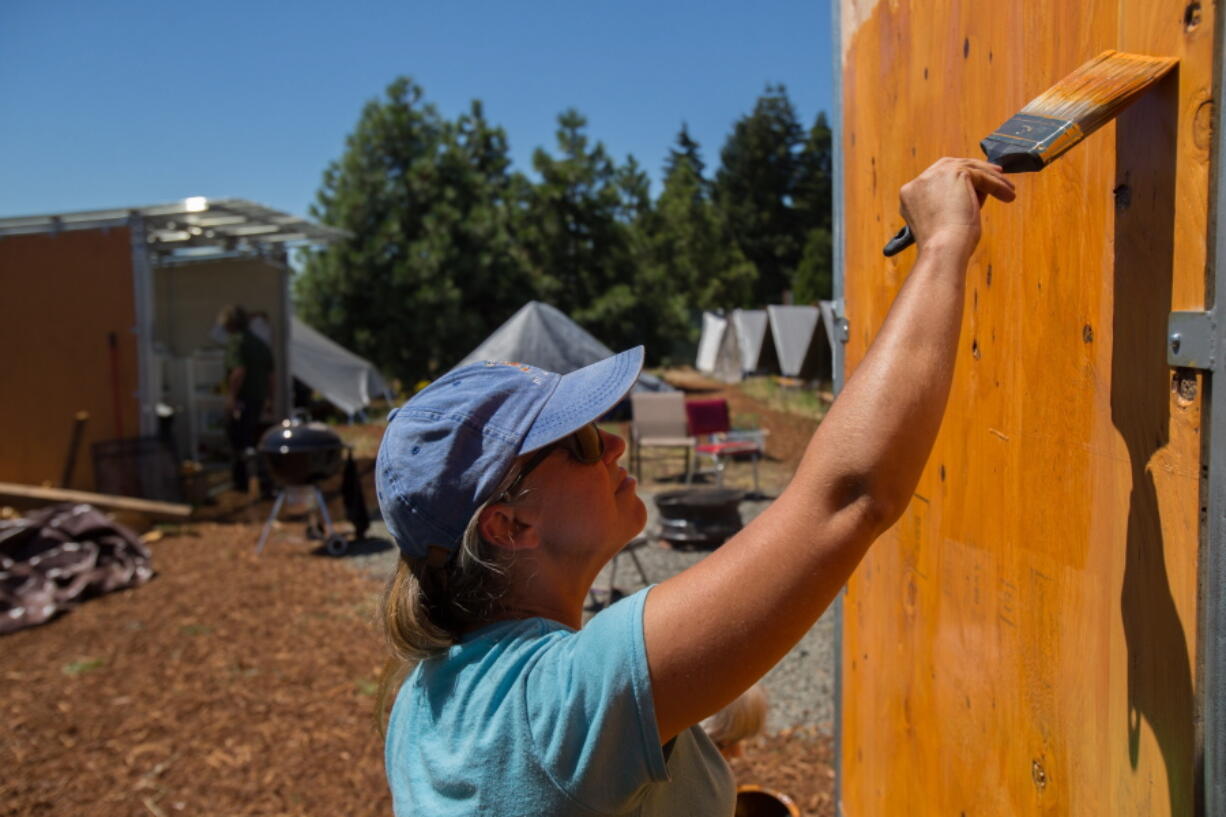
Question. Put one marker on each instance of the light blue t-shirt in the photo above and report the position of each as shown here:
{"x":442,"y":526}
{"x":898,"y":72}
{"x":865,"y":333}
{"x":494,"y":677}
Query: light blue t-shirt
{"x":532,"y":718}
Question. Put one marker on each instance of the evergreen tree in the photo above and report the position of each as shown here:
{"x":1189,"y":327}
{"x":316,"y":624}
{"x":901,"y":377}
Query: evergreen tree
{"x":755,"y":191}
{"x":428,"y":268}
{"x":814,"y":278}
{"x":685,"y":151}
{"x":576,"y":232}
{"x":692,"y":249}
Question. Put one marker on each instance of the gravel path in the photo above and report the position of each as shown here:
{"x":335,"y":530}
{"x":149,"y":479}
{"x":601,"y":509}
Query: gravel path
{"x":800,"y":688}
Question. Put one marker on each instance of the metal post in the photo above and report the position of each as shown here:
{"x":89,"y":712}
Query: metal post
{"x":837,"y":240}
{"x":1212,"y":637}
{"x":142,"y":288}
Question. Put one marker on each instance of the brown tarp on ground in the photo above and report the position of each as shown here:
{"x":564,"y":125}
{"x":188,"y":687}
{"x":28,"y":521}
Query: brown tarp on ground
{"x":54,"y":557}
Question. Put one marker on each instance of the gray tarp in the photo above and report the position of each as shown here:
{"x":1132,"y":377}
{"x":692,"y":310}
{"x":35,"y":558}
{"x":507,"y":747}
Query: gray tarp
{"x":543,"y":336}
{"x":56,"y":557}
{"x":713,"y":327}
{"x":341,"y":377}
{"x":802,"y":341}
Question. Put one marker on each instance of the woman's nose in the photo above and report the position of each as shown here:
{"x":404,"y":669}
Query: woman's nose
{"x":614,"y":446}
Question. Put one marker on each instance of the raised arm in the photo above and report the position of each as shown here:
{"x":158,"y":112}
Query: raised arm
{"x":714,"y":629}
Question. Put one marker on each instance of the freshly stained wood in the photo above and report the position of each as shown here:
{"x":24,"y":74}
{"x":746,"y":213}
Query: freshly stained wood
{"x":1024,"y":640}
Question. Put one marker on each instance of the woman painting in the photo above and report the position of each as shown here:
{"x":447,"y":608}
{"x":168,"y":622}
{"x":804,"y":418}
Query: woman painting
{"x":506,"y":500}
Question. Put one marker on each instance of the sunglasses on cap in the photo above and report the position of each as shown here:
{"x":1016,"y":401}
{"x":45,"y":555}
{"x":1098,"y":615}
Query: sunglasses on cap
{"x":585,"y":446}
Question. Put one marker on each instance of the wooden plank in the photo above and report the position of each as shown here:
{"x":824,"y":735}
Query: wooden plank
{"x":27,"y":496}
{"x":1024,"y":640}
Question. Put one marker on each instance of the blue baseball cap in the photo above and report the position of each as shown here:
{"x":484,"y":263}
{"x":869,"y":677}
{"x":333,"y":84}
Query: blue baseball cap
{"x":447,"y":449}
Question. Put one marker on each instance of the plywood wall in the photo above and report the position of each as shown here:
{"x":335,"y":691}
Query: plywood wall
{"x":64,"y":295}
{"x":1024,"y":640}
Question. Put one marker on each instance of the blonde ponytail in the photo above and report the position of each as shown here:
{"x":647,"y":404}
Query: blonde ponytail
{"x":427,"y":608}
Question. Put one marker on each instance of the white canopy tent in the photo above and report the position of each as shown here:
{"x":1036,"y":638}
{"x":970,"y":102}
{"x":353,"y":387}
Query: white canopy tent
{"x":745,"y":347}
{"x":713,"y":328}
{"x":803,"y":341}
{"x":542,"y":335}
{"x":341,"y":377}
{"x":827,"y":308}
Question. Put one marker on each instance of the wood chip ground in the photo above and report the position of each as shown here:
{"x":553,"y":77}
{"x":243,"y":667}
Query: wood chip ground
{"x":241,"y":685}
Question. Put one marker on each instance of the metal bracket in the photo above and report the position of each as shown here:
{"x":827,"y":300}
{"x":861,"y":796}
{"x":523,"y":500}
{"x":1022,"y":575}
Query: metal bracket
{"x":1191,"y":340}
{"x":842,"y":327}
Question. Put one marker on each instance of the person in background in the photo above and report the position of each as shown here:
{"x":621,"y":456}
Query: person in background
{"x":247,"y":387}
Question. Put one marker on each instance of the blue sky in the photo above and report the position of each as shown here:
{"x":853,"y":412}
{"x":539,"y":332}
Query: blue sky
{"x":138,"y":102}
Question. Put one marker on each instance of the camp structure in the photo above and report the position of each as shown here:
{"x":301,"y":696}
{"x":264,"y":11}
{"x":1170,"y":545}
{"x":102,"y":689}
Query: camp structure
{"x":1043,"y":631}
{"x":803,"y":341}
{"x":542,"y":335}
{"x":713,"y":327}
{"x":112,"y":312}
{"x":341,"y":377}
{"x":746,"y":347}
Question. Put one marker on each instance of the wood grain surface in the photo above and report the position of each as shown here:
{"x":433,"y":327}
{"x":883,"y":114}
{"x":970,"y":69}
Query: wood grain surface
{"x":1024,"y":640}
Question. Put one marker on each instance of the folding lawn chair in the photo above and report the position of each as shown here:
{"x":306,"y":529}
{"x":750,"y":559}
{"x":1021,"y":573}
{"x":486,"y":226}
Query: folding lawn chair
{"x":659,"y":421}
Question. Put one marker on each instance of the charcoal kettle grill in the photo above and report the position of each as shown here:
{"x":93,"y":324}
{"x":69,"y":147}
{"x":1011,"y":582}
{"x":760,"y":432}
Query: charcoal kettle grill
{"x":302,"y":454}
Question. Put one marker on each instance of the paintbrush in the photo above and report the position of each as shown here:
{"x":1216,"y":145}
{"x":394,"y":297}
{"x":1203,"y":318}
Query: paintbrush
{"x":1063,"y":115}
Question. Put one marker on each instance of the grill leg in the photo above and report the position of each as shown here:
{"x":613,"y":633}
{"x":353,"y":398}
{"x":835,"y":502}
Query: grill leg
{"x":272,"y":517}
{"x":323,"y":511}
{"x":612,"y":577}
{"x":639,"y":565}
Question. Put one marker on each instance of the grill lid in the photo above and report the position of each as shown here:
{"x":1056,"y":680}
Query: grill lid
{"x":295,"y":436}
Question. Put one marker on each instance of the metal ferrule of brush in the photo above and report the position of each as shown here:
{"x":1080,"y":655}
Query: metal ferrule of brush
{"x":1027,"y":143}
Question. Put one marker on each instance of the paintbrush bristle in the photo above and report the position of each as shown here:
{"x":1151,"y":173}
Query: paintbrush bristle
{"x":1095,"y":92}
{"x":1072,"y":109}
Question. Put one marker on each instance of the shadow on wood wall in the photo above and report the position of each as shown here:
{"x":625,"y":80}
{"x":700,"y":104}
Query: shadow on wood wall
{"x":1160,"y":683}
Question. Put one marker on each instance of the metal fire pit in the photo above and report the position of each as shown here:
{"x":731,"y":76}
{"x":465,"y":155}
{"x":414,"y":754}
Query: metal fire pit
{"x":701,"y":518}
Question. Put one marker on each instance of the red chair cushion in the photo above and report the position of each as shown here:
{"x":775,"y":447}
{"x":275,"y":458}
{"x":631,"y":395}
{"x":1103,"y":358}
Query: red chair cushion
{"x":707,"y":416}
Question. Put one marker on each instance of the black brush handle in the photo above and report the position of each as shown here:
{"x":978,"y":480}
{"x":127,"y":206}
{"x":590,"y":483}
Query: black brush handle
{"x":901,"y":240}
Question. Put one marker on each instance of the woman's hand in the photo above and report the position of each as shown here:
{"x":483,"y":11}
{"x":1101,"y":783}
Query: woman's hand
{"x":942,"y":203}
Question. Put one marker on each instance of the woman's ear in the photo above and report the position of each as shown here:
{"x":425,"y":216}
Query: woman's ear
{"x":500,"y":526}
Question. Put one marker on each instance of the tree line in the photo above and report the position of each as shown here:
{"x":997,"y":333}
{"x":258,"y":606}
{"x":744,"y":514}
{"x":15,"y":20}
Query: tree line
{"x":446,"y":241}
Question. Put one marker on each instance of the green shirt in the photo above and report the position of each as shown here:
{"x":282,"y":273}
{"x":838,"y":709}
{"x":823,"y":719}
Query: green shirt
{"x":244,"y":350}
